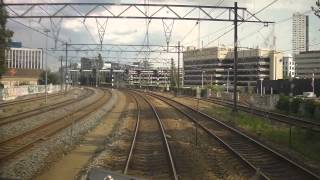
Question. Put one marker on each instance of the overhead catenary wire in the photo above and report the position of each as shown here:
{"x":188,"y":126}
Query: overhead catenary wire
{"x":258,"y":12}
{"x":217,"y":4}
{"x":242,"y":22}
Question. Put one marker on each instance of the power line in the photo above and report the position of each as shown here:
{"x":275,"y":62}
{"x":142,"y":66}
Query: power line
{"x":29,"y":27}
{"x":280,"y":51}
{"x":291,"y":17}
{"x":252,"y":15}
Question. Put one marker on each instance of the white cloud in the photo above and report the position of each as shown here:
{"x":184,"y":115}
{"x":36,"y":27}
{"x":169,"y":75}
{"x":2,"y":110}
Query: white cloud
{"x":132,"y":31}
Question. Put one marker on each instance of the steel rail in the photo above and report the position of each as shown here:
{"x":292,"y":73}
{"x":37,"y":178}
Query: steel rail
{"x":26,"y":114}
{"x":306,"y":172}
{"x":133,"y":143}
{"x":14,"y":102}
{"x":44,"y":131}
{"x":314,"y":126}
{"x":166,"y":143}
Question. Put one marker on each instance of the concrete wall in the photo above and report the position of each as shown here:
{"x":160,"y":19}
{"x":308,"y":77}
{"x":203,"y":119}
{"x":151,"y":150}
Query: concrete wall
{"x":14,"y":92}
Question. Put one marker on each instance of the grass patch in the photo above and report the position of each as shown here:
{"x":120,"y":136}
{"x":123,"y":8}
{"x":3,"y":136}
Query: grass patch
{"x":302,"y":141}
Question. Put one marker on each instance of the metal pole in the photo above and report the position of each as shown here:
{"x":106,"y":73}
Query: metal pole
{"x":178,"y":66}
{"x":202,"y":80}
{"x":313,"y":83}
{"x":228,"y":81}
{"x":196,"y":134}
{"x":261,"y":87}
{"x":211,"y":79}
{"x":235,"y":56}
{"x":61,"y":73}
{"x":290,"y":134}
{"x":46,"y":64}
{"x":65,"y":90}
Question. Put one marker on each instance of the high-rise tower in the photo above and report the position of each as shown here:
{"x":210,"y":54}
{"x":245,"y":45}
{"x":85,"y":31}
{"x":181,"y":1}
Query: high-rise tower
{"x":300,"y":34}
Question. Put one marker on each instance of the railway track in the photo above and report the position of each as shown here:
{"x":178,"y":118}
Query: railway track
{"x":314,"y":126}
{"x":150,"y":154}
{"x":22,"y":142}
{"x":268,"y":163}
{"x":26,"y":114}
{"x":14,"y":102}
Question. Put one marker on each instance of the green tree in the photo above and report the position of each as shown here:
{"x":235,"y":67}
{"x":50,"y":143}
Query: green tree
{"x":53,"y":77}
{"x":316,"y":9}
{"x":5,"y":38}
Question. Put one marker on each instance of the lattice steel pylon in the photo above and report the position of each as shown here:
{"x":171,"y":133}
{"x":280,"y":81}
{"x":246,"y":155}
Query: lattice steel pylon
{"x":167,"y":28}
{"x":55,"y":27}
{"x":101,"y":30}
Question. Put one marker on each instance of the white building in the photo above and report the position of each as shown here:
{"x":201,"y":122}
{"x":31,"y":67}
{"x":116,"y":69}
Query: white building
{"x":24,"y":58}
{"x":300,"y":34}
{"x":308,"y":63}
{"x":149,"y":77}
{"x":289,"y":66}
{"x":24,"y":67}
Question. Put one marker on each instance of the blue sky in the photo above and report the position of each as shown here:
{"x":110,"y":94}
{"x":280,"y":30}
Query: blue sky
{"x":133,"y":31}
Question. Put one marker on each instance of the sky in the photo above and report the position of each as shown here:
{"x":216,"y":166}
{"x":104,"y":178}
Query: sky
{"x":133,"y":31}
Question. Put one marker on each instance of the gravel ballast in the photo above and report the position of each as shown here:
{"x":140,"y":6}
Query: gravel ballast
{"x":34,"y":160}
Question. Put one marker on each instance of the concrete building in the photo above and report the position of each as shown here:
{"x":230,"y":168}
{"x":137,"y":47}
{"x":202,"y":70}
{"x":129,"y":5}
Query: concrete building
{"x":149,"y":77}
{"x":300,"y":33}
{"x":86,"y":73}
{"x":216,"y":66}
{"x":24,"y":66}
{"x":289,"y":66}
{"x":308,"y":63}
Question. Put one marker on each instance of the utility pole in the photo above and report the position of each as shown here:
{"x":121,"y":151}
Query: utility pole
{"x":172,"y":72}
{"x":61,"y":74}
{"x":312,"y":83}
{"x":235,"y":65}
{"x":202,"y":79}
{"x":66,"y":73}
{"x":178,"y":66}
{"x":46,"y":64}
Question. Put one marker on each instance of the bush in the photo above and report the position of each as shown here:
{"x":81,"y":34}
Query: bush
{"x":217,"y":88}
{"x":283,"y":103}
{"x":294,"y":105}
{"x":316,"y":114}
{"x":309,"y":108}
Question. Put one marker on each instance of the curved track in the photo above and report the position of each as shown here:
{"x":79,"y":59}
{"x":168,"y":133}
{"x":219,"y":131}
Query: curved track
{"x":150,"y":154}
{"x":26,"y":114}
{"x":260,"y":158}
{"x":14,"y":102}
{"x":22,"y":142}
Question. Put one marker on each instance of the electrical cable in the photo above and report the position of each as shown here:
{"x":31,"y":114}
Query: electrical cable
{"x":261,"y":10}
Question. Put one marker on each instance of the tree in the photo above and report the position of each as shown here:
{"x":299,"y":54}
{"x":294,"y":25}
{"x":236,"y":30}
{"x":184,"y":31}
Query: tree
{"x":53,"y":77}
{"x":316,"y":9}
{"x":5,"y":38}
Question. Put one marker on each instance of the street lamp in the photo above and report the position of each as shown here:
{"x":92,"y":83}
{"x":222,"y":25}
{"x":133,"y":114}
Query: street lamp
{"x":228,"y":79}
{"x":261,"y":79}
{"x":46,"y":64}
{"x":313,"y":82}
{"x":202,"y":79}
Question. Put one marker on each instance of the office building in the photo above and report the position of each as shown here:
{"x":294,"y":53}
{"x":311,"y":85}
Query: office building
{"x":215,"y":65}
{"x":308,"y":63}
{"x":149,"y":77}
{"x":288,"y":67}
{"x":300,"y":33}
